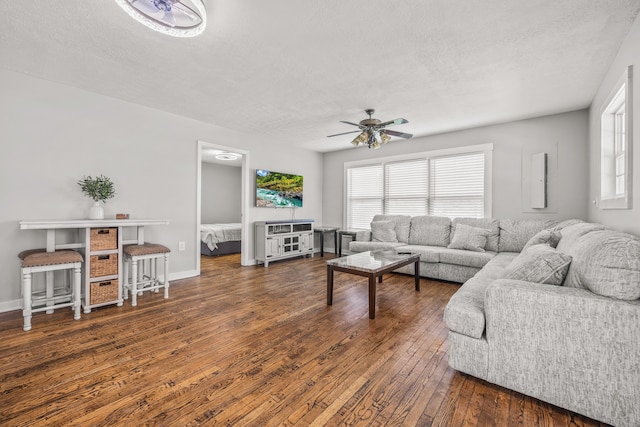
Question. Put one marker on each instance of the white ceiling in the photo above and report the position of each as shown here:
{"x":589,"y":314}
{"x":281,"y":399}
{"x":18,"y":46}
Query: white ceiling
{"x":289,"y":70}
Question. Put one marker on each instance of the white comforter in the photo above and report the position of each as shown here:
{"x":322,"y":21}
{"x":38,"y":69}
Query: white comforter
{"x":212,"y":234}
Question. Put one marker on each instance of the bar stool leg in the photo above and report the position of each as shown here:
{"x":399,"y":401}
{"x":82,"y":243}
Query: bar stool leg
{"x":142,"y":267}
{"x":154,"y":274}
{"x":134,"y":282}
{"x":26,"y":298}
{"x":125,"y":279}
{"x":49,"y":290}
{"x":166,"y":276}
{"x":77,"y":279}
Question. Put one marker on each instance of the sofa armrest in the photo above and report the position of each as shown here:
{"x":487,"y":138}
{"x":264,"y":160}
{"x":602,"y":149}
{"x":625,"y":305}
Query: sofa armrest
{"x":568,"y":346}
{"x":363,"y":236}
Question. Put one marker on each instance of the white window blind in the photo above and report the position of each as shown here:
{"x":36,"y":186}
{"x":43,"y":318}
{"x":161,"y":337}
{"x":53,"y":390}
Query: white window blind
{"x":457,"y":185}
{"x":364,"y":195}
{"x":406,"y":187}
{"x":441,"y":184}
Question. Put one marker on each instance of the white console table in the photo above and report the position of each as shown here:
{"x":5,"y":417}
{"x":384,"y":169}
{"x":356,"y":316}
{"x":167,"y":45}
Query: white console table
{"x":92,"y":255}
{"x":276,"y":240}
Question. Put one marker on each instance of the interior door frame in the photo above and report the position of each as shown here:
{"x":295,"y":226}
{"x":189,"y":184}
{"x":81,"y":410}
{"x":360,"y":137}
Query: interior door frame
{"x":245,"y":205}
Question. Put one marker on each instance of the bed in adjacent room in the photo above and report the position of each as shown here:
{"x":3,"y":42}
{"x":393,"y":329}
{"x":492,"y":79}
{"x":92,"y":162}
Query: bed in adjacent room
{"x":220,"y":239}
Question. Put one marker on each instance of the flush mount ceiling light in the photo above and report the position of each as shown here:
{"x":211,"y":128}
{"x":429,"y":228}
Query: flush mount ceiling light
{"x":178,"y":18}
{"x":226,"y":156}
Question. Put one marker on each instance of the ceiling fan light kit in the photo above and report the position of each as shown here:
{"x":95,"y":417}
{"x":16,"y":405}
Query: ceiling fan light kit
{"x":177,"y":18}
{"x":372,"y":131}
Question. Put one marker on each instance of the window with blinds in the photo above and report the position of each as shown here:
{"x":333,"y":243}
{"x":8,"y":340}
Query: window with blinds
{"x":447,"y":185}
{"x":406,"y":190}
{"x":364,"y":194}
{"x":457,"y":186}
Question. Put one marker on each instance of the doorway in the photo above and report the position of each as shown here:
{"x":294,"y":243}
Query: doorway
{"x":245,"y":192}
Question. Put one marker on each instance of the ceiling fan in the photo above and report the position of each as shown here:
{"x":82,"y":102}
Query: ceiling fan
{"x":173,"y":14}
{"x":373,"y":132}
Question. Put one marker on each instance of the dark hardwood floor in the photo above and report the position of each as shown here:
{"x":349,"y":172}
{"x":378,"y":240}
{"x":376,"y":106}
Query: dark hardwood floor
{"x":254,"y":346}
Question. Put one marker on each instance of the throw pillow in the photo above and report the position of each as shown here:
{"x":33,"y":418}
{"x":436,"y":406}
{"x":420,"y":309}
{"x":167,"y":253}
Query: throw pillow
{"x":383,"y":231}
{"x":544,"y":237}
{"x":539,"y":264}
{"x":469,"y":238}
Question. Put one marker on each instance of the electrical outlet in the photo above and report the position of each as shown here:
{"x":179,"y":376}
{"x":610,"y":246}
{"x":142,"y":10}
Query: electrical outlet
{"x":181,"y":246}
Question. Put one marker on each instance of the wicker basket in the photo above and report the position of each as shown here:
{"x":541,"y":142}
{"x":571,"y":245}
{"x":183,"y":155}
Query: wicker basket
{"x":106,"y":291}
{"x":103,"y":239}
{"x":103,"y":265}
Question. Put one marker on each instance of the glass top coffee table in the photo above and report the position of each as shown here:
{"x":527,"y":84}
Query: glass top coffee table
{"x":372,"y":265}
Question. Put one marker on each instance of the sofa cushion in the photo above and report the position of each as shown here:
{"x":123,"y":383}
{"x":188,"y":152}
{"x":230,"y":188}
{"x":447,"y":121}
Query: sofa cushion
{"x":608,"y":264}
{"x":566,"y":223}
{"x":456,"y":273}
{"x":427,"y":253}
{"x":383,"y":231}
{"x":539,"y":264}
{"x":373,"y":246}
{"x":464,"y":257}
{"x":402,"y":225}
{"x":544,"y":237}
{"x":515,"y":233}
{"x":487,"y":223}
{"x":464,"y":313}
{"x":571,"y":234}
{"x":570,"y":245}
{"x":430,"y":230}
{"x":469,"y":238}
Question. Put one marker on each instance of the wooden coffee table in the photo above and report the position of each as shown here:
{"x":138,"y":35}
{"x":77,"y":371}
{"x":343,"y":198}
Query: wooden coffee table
{"x":372,"y":265}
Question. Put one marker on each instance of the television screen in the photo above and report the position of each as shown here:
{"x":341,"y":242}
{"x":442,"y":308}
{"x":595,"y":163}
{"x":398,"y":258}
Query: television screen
{"x":275,"y":189}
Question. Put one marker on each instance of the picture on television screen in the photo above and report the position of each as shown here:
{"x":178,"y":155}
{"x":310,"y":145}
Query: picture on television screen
{"x":275,"y":189}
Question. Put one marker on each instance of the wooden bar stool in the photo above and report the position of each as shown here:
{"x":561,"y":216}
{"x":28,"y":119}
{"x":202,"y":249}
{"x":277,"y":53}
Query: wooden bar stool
{"x":144,"y":277}
{"x":53,"y":297}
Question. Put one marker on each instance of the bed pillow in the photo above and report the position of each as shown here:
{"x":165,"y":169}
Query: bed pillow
{"x":539,"y":264}
{"x":544,"y":237}
{"x":383,"y":231}
{"x":469,"y":238}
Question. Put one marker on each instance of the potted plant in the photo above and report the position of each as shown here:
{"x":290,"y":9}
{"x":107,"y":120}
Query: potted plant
{"x":100,"y":189}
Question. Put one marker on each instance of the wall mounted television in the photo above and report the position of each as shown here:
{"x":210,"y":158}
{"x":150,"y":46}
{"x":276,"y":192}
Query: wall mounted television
{"x":276,"y":189}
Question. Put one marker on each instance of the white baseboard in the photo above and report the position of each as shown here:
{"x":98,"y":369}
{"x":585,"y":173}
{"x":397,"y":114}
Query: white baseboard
{"x":10,"y":305}
{"x":182,"y":275}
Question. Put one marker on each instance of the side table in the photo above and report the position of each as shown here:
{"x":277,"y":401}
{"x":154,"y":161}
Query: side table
{"x":322,"y":230}
{"x":349,"y":233}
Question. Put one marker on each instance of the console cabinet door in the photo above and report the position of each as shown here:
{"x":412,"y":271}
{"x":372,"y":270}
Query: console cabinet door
{"x":307,"y":242}
{"x":272,"y":247}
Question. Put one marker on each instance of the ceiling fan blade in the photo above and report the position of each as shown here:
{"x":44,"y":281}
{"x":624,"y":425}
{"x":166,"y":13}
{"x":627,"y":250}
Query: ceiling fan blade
{"x":352,"y":124}
{"x":184,"y":10}
{"x":169,"y":19}
{"x":343,"y":133}
{"x":146,"y":7}
{"x":399,"y":121}
{"x":394,"y":133}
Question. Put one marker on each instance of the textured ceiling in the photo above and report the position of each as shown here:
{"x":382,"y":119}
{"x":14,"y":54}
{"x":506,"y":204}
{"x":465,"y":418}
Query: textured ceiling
{"x":289,"y":70}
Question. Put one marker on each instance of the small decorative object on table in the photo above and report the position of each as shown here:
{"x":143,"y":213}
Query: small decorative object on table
{"x":100,"y":189}
{"x":122,"y":216}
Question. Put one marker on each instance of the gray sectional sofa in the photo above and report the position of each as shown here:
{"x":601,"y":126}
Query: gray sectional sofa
{"x":549,"y":309}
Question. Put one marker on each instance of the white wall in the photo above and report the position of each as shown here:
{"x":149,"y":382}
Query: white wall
{"x":624,"y":219}
{"x":562,"y":136}
{"x":221,"y":193}
{"x":51,"y":135}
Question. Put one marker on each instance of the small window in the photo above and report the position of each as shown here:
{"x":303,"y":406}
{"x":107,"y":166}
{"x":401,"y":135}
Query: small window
{"x":615,"y":166}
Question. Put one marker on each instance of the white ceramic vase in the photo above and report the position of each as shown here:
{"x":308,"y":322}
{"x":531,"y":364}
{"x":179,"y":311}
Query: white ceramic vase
{"x":96,"y":211}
